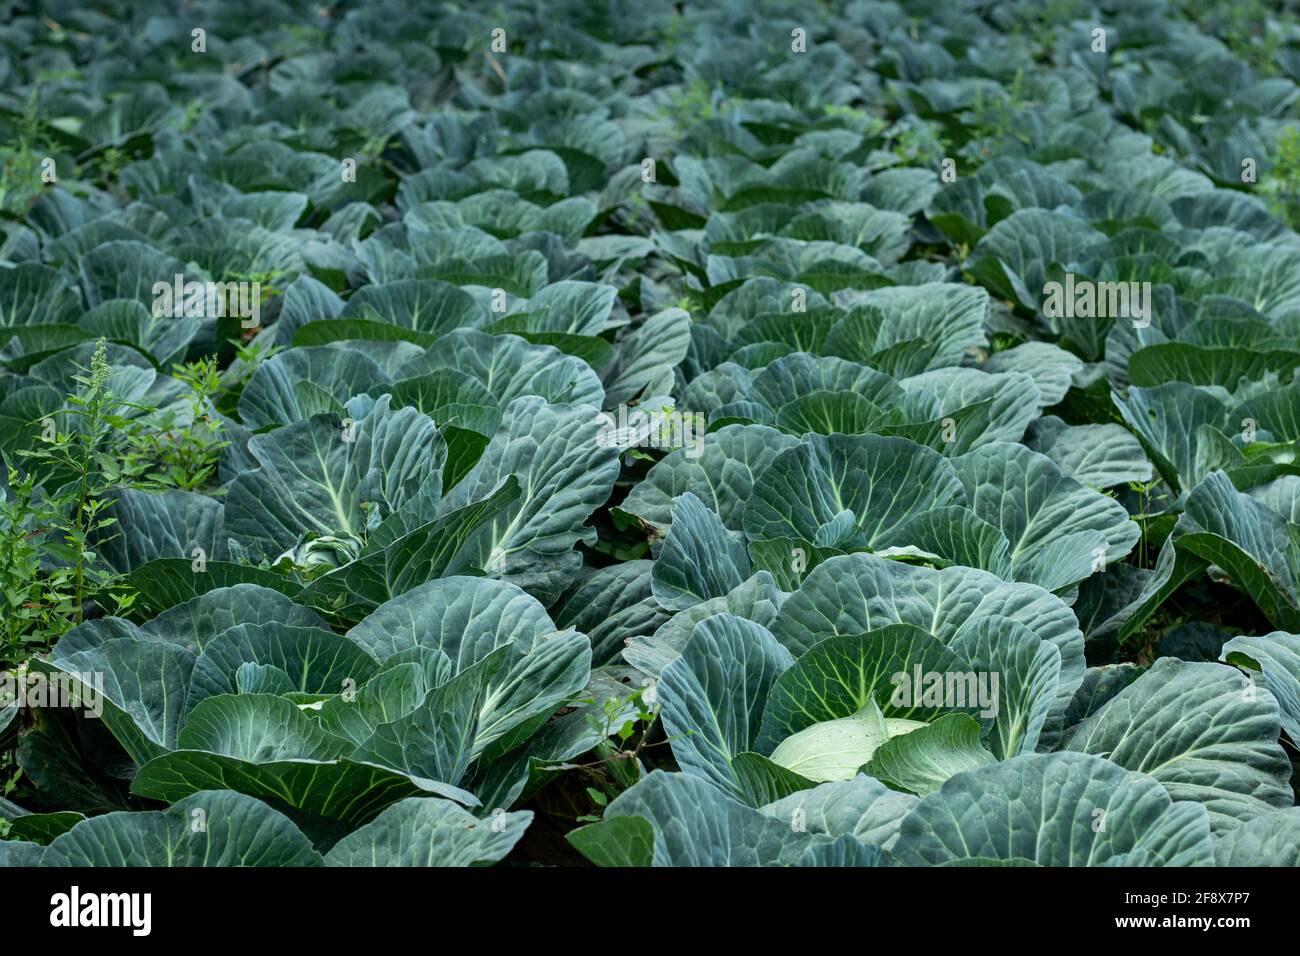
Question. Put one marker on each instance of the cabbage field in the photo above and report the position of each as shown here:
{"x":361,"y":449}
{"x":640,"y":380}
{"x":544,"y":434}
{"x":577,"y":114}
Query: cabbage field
{"x":596,"y":432}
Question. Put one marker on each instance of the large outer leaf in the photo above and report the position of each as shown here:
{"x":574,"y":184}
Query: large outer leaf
{"x":163,"y":337}
{"x":712,"y":697}
{"x":983,"y":407}
{"x":448,"y":396}
{"x":1024,"y":244}
{"x":436,"y":740}
{"x":700,"y":559}
{"x":510,"y":367}
{"x":465,"y":617}
{"x":208,"y":828}
{"x":1054,"y":524}
{"x":315,"y":474}
{"x":168,"y":524}
{"x":33,"y":294}
{"x":318,"y":794}
{"x":948,"y":317}
{"x":1199,"y":365}
{"x":126,"y":269}
{"x":611,"y":605}
{"x":696,"y":824}
{"x":565,"y":475}
{"x":419,"y":305}
{"x":1051,"y":367}
{"x":1269,"y":840}
{"x":859,"y":593}
{"x":166,"y":583}
{"x":578,"y":308}
{"x":844,"y":852}
{"x":317,"y":660}
{"x":953,"y":535}
{"x":1276,"y":410}
{"x":429,"y":832}
{"x":469,"y":618}
{"x":1203,"y":731}
{"x":39,"y":828}
{"x":1282,"y":495}
{"x":257,"y":728}
{"x":146,"y":686}
{"x":267,"y":747}
{"x":273,"y":396}
{"x":196,"y":622}
{"x":648,"y":356}
{"x":1028,"y":677}
{"x":1166,"y":419}
{"x":429,"y":551}
{"x":722,"y":475}
{"x":1250,"y":541}
{"x":20,"y":853}
{"x":855,"y":490}
{"x":795,"y":376}
{"x":1055,"y":810}
{"x":617,"y":841}
{"x":1094,"y":455}
{"x":304,"y":300}
{"x":757,"y":600}
{"x":388,"y":696}
{"x":1278,"y":656}
{"x":863,"y":808}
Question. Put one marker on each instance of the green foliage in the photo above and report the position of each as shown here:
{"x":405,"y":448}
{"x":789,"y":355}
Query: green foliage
{"x":1284,"y":184}
{"x":55,"y":511}
{"x":20,"y":160}
{"x":177,"y":448}
{"x":844,"y":435}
